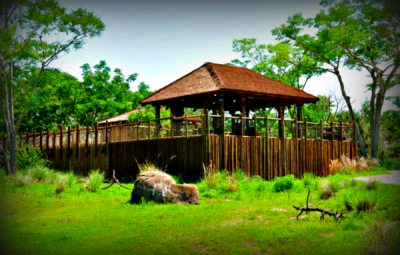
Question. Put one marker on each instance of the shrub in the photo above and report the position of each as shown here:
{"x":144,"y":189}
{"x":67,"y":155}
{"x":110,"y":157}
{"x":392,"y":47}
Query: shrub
{"x":392,"y":164}
{"x":238,"y":174}
{"x":95,"y":180}
{"x":232,"y":184}
{"x":283,"y":183}
{"x":29,"y":156}
{"x":71,"y":179}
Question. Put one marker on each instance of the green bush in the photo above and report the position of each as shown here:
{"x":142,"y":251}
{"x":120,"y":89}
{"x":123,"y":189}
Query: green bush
{"x":392,"y":163}
{"x":29,"y":156}
{"x":283,"y":183}
{"x":95,"y":180}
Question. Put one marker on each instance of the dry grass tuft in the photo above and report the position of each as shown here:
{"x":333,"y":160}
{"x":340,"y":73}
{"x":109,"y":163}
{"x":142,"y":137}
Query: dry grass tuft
{"x":345,"y":165}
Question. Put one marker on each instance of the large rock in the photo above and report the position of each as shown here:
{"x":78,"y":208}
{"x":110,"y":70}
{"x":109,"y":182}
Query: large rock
{"x":161,"y":188}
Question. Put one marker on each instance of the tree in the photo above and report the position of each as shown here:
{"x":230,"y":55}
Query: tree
{"x":361,"y":34}
{"x":28,"y":41}
{"x":103,"y":97}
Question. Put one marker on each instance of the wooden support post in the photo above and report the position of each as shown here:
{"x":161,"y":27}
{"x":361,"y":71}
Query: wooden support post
{"x":222,"y":127}
{"x":341,"y":139}
{"x":158,"y":114}
{"x":34,"y":138}
{"x":172,"y":125}
{"x":47,"y":141}
{"x":321,"y":127}
{"x":242,"y":161}
{"x":61,"y":140}
{"x":355,"y":141}
{"x":266,"y":154}
{"x":78,"y":138}
{"x":96,"y":138}
{"x":208,"y":139}
{"x":281,"y":110}
{"x":332,"y":142}
{"x":305,"y":145}
{"x":87,"y":141}
{"x":255,"y":125}
{"x":41,"y":140}
{"x":69,"y":142}
{"x":186,"y":126}
{"x":296,"y":148}
{"x":283,"y":146}
{"x":299,"y":118}
{"x":255,"y":153}
{"x":27,"y":138}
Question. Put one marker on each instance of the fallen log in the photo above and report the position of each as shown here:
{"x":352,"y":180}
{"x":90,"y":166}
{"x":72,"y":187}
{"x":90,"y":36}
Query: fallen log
{"x":323,"y":212}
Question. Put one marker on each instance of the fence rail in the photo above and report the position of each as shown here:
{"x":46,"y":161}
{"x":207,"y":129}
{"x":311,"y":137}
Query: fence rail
{"x":264,"y":146}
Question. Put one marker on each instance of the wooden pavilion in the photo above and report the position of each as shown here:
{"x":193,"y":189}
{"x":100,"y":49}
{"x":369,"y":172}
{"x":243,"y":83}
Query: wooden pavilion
{"x":221,"y":88}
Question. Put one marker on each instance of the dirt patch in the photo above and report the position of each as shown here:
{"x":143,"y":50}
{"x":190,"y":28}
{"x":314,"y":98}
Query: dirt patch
{"x":279,"y":209}
{"x":249,"y":244}
{"x":328,"y":235}
{"x":231,"y":223}
{"x":293,"y":218}
{"x":68,"y":221}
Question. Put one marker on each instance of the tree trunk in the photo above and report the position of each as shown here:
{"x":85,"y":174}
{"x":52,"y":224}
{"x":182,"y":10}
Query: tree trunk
{"x":351,"y":111}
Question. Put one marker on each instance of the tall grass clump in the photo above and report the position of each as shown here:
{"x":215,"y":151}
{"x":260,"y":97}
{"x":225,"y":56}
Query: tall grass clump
{"x":345,"y":165}
{"x":39,"y":173}
{"x":94,"y":180}
{"x":283,"y":183}
{"x":22,"y":179}
{"x":71,"y":179}
{"x":210,"y":176}
{"x":29,"y":156}
{"x":372,"y":185}
{"x":380,"y":238}
{"x":328,"y":189}
{"x":238,"y":174}
{"x":358,"y":200}
{"x":392,"y":163}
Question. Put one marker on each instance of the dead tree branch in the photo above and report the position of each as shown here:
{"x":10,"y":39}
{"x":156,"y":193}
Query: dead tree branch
{"x":323,"y":212}
{"x":116,"y":181}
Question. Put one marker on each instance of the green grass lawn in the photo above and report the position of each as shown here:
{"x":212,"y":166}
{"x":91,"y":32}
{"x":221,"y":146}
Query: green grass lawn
{"x":253,"y":220}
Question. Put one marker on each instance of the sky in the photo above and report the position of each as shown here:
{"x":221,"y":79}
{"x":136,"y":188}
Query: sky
{"x":164,"y":40}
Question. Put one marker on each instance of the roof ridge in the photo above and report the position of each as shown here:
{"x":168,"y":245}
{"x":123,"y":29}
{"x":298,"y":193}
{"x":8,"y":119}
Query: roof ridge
{"x":214,"y":74}
{"x":158,"y":91}
{"x":123,"y":113}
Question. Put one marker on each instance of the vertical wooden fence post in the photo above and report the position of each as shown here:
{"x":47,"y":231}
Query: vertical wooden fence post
{"x":296,"y":148}
{"x":96,"y":138}
{"x":106,"y":132}
{"x":41,"y":140}
{"x":186,"y":125}
{"x":242,"y":165}
{"x":266,"y":153}
{"x":78,"y":139}
{"x":305,"y":145}
{"x":172,"y":126}
{"x":149,"y":130}
{"x":27,"y":138}
{"x":332,"y":142}
{"x":255,"y":154}
{"x":54,"y":142}
{"x":322,"y":147}
{"x":137,"y":130}
{"x":69,"y":142}
{"x":87,"y":141}
{"x":223,"y":159}
{"x":120,"y":131}
{"x":34,"y":138}
{"x":61,"y":140}
{"x":47,"y":141}
{"x":341,"y":139}
{"x":283,"y":146}
{"x":209,"y":139}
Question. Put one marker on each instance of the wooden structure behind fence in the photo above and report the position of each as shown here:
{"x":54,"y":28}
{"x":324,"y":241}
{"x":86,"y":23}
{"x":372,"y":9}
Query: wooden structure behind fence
{"x":124,"y":147}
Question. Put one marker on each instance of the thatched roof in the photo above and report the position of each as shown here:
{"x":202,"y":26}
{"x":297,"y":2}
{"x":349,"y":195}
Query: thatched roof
{"x":122,"y":117}
{"x":217,"y":78}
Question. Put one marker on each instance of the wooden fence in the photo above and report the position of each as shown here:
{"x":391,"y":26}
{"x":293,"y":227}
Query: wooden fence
{"x":263,"y":146}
